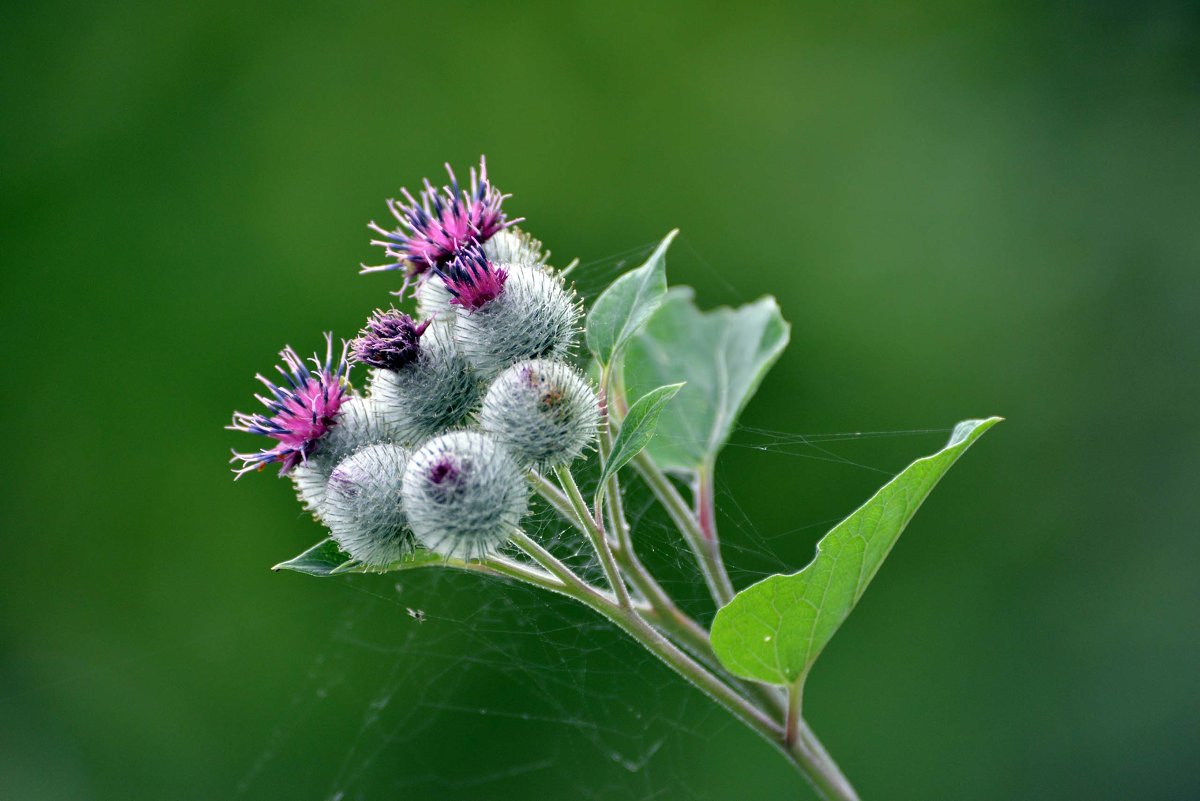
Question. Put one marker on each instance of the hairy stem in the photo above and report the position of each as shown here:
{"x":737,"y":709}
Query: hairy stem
{"x":795,"y":739}
{"x":674,"y":621}
{"x":662,"y":611}
{"x":698,"y":530}
{"x":633,"y":625}
{"x":552,"y":495}
{"x":575,"y":587}
{"x":596,"y":534}
{"x":671,"y":617}
{"x":521,"y":572}
{"x":707,"y":551}
{"x":805,"y":754}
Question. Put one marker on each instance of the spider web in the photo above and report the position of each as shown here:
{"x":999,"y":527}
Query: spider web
{"x":482,"y":687}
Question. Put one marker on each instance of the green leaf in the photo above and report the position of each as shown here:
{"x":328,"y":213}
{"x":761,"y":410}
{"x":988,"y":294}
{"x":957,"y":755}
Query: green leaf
{"x":774,"y":630}
{"x":319,"y":560}
{"x":721,"y":354}
{"x":326,"y":559}
{"x":627,"y":303}
{"x":636,"y":431}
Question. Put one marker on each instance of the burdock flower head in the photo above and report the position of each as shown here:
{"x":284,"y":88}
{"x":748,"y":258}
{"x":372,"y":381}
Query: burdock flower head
{"x":463,"y":494}
{"x":535,"y":317}
{"x":300,"y":413}
{"x":433,"y":228}
{"x":545,"y":412}
{"x":472,"y":280}
{"x":391,"y":340}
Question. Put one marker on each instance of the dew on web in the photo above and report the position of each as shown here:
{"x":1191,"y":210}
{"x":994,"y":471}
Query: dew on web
{"x":440,"y":684}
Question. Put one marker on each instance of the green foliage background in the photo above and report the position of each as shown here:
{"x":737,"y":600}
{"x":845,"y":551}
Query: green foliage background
{"x":963,"y":211}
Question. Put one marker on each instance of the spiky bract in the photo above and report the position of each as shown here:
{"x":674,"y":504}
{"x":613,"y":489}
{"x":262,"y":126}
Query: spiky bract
{"x":359,"y":422}
{"x":543,"y":411}
{"x":535,"y":317}
{"x":514,"y":246}
{"x":436,"y":393}
{"x":463,"y":494}
{"x":363,"y":508}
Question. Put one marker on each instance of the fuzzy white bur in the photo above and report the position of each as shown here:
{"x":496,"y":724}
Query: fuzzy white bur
{"x":379,"y":499}
{"x":463,"y":494}
{"x":433,"y":300}
{"x":360,"y":422}
{"x":434,"y":394}
{"x":543,"y":411}
{"x":535,"y":317}
{"x":362,"y":505}
{"x":514,"y":246}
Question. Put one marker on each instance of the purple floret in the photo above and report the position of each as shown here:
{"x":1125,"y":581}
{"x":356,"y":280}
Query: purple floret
{"x":391,"y":340}
{"x":472,"y":280}
{"x":433,"y":228}
{"x":299,"y":413}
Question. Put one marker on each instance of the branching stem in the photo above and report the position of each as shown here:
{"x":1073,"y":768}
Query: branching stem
{"x":788,"y":732}
{"x":705,"y":547}
{"x":596,"y":534}
{"x":805,"y":753}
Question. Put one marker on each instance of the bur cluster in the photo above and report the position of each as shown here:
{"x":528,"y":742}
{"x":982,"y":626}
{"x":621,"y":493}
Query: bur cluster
{"x":459,"y":400}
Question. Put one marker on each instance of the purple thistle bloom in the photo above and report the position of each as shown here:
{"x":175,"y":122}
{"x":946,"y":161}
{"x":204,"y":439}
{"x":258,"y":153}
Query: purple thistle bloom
{"x":391,"y":340}
{"x":433,"y":229}
{"x":472,"y":280}
{"x":299,"y":414}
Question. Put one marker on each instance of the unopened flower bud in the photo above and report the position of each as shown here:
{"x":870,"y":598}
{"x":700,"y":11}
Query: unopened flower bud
{"x":391,"y":339}
{"x":434,"y":394}
{"x":543,"y":411}
{"x":463,"y":494}
{"x":359,"y":422}
{"x":363,"y":508}
{"x":420,"y":385}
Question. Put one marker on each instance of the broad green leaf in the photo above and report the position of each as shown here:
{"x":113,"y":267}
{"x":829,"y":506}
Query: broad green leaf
{"x":326,"y":559}
{"x":636,"y":431}
{"x":774,"y":630}
{"x":721,"y":354}
{"x":627,"y":303}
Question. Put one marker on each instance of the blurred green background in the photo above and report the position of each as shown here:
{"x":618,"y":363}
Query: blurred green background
{"x":963,"y":211}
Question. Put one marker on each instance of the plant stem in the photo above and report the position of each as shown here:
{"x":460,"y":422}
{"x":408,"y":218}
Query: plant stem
{"x":663,"y":612}
{"x":705,"y":546}
{"x":525,"y":573}
{"x":698,"y":531}
{"x":596,"y":534}
{"x":794,"y":738}
{"x":552,"y":495}
{"x":669,"y":615}
{"x":652,"y":640}
{"x":819,"y":768}
{"x":805,"y":754}
{"x":791,"y":726}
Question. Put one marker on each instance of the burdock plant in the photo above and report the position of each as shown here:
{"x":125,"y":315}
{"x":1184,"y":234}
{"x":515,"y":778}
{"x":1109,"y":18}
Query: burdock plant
{"x":476,"y":404}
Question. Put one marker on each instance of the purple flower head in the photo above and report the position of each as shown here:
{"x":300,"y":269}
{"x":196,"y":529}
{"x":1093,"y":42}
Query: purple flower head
{"x":433,"y":228}
{"x":391,"y":340}
{"x":472,"y":280}
{"x":299,"y":413}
